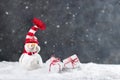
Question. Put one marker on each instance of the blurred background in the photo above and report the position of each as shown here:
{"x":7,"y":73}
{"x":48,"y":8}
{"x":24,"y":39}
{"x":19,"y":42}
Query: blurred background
{"x":88,"y":28}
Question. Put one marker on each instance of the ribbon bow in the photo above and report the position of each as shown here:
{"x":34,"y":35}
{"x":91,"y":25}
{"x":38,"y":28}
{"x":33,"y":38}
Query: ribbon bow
{"x":72,"y":61}
{"x":54,"y":62}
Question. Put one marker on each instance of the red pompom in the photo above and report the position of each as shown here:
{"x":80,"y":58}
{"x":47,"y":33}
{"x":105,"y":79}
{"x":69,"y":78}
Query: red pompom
{"x":39,"y":23}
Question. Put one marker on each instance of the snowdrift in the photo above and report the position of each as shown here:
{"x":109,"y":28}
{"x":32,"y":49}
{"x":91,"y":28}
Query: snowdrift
{"x":89,"y":71}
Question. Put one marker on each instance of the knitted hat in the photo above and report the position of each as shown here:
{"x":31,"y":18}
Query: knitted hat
{"x":30,"y":37}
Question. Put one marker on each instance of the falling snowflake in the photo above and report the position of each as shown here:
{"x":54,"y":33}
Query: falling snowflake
{"x":99,"y":39}
{"x":86,"y":35}
{"x":26,"y":7}
{"x":6,"y":13}
{"x":73,"y":15}
{"x":87,"y":30}
{"x":42,"y":15}
{"x":67,"y":7}
{"x":58,"y":26}
{"x":78,"y":7}
{"x":45,"y":42}
{"x":103,"y":11}
{"x":13,"y":31}
{"x":96,"y":23}
{"x":53,"y":45}
{"x":66,"y":22}
{"x":47,"y":2}
{"x":62,"y":44}
{"x":0,"y":50}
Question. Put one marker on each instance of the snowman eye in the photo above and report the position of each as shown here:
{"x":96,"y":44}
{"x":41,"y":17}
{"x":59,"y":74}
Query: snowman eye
{"x":29,"y":46}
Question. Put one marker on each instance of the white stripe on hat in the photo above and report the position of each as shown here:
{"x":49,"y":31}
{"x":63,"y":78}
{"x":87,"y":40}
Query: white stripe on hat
{"x":28,"y":37}
{"x":35,"y":26}
{"x":32,"y":31}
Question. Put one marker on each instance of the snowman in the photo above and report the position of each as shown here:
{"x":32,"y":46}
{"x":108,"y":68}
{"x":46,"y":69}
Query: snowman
{"x":30,"y":59}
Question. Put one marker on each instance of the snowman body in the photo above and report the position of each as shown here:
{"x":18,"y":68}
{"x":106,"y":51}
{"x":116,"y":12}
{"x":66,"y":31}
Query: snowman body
{"x":30,"y":59}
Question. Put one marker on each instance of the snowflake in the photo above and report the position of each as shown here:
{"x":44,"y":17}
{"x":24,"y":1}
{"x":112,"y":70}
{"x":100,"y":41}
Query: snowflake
{"x":103,"y":11}
{"x":47,"y":2}
{"x":42,"y":15}
{"x":86,"y":35}
{"x":62,"y":44}
{"x":78,"y":7}
{"x":96,"y":23}
{"x":6,"y":13}
{"x":66,"y":22}
{"x":0,"y":50}
{"x":13,"y":31}
{"x":99,"y":39}
{"x":87,"y":30}
{"x":58,"y":26}
{"x":45,"y":42}
{"x":67,"y":7}
{"x":26,"y":7}
{"x":73,"y":15}
{"x":53,"y":45}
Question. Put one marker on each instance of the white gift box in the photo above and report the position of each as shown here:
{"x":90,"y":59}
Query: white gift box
{"x":72,"y":62}
{"x":31,"y":62}
{"x":54,"y":64}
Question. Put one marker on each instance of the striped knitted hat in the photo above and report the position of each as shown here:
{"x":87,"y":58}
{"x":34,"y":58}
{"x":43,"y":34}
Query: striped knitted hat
{"x":30,"y":37}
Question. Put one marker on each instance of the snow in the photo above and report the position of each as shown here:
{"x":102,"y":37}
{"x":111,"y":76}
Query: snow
{"x":66,"y":22}
{"x":87,"y":30}
{"x":73,"y":15}
{"x":53,"y":45}
{"x":45,"y":42}
{"x":67,"y":7}
{"x":0,"y":50}
{"x":99,"y":39}
{"x":88,"y":71}
{"x":26,"y":7}
{"x":6,"y":13}
{"x":58,"y":26}
{"x":42,"y":15}
{"x":13,"y":31}
{"x":86,"y":35}
{"x":78,"y":7}
{"x":103,"y":11}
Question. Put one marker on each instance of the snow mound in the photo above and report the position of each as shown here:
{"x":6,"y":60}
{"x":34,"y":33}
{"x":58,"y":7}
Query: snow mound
{"x":89,"y":71}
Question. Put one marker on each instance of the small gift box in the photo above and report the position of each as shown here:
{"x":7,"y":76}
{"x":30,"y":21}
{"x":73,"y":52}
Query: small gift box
{"x":54,"y":64}
{"x":72,"y":62}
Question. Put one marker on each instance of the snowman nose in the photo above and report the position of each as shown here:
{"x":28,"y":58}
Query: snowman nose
{"x":33,"y":45}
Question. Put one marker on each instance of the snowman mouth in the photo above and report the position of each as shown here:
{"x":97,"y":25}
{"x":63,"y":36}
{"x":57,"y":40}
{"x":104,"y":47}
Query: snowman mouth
{"x":33,"y":49}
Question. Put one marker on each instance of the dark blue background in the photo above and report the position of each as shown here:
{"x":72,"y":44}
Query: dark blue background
{"x":88,"y":28}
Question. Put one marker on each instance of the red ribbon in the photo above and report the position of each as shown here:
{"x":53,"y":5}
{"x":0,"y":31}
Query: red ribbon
{"x":31,"y":53}
{"x":56,"y":60}
{"x":72,"y":61}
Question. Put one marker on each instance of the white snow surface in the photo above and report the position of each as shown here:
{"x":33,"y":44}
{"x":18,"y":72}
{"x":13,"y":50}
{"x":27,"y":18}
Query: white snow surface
{"x":88,"y":71}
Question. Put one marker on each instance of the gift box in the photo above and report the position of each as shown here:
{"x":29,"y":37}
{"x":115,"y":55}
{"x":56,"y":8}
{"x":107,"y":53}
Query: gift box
{"x":72,"y":62}
{"x":54,"y":64}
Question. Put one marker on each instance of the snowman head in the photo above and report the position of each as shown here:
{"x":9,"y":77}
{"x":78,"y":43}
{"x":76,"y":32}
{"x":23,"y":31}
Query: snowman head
{"x":31,"y":45}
